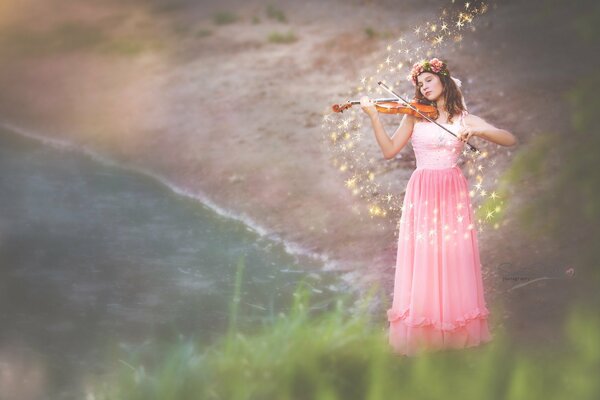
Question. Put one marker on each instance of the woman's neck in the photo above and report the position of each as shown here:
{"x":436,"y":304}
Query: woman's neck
{"x":440,"y":104}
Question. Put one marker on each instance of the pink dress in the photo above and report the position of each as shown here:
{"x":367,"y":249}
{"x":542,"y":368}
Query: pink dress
{"x":438,"y":299}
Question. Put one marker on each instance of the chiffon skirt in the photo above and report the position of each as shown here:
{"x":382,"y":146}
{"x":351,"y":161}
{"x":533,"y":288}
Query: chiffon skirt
{"x":438,"y":298}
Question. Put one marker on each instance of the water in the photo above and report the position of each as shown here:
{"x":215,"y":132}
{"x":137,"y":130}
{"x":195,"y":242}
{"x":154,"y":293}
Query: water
{"x":92,"y":254}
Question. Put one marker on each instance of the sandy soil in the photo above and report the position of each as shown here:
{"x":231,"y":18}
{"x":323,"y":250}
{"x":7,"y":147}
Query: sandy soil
{"x":236,"y":120}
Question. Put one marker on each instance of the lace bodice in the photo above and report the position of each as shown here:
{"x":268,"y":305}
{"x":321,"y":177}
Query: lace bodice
{"x":434,"y":147}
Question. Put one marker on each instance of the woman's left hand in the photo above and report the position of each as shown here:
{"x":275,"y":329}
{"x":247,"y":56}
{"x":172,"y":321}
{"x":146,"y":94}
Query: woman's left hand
{"x":466,"y":133}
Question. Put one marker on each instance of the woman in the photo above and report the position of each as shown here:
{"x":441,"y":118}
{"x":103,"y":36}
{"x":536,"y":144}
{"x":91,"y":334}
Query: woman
{"x":438,"y":299}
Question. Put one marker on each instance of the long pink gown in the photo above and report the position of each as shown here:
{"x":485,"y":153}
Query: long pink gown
{"x":438,"y":299}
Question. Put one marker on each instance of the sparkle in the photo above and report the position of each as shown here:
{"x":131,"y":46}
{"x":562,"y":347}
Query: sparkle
{"x":346,"y":136}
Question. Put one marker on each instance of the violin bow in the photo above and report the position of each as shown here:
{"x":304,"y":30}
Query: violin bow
{"x":473,"y":148}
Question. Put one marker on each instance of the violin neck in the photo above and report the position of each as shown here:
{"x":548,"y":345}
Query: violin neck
{"x":375,"y":100}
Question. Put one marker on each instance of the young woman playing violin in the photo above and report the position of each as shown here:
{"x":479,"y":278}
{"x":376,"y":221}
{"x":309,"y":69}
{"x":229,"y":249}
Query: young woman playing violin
{"x":436,"y":88}
{"x":438,"y":299}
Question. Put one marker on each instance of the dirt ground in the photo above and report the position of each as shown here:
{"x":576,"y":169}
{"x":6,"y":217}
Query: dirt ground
{"x":227,"y":115}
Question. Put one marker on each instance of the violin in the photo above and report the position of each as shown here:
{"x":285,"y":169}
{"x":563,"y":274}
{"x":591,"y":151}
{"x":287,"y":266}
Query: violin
{"x":394,"y":106}
{"x":398,"y":105}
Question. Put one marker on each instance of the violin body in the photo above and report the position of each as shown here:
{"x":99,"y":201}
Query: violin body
{"x":394,"y":106}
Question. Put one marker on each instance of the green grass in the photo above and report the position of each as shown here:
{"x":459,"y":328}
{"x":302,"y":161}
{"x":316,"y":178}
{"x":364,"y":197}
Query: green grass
{"x":224,"y":18}
{"x":203,"y":32}
{"x":372,"y":34}
{"x":278,"y":37}
{"x":275,"y":13}
{"x":76,"y":35}
{"x":341,"y":354}
{"x":67,"y":37}
{"x":167,"y":6}
{"x":127,"y":46}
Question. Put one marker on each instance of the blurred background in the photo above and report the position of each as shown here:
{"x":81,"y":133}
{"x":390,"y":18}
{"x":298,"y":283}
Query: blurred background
{"x":176,"y":221}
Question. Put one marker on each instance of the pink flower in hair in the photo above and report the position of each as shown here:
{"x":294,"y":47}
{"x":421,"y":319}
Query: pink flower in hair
{"x":434,"y":65}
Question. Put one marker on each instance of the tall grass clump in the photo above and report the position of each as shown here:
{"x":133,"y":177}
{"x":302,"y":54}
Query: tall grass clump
{"x":342,"y":354}
{"x":224,"y":17}
{"x":277,"y":37}
{"x":275,"y":13}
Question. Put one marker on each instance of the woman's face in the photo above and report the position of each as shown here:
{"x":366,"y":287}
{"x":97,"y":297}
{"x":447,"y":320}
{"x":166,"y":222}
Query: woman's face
{"x":430,"y":85}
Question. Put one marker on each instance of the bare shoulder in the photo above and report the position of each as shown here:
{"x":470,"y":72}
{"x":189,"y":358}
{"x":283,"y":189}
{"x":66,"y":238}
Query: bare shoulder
{"x":474,"y":120}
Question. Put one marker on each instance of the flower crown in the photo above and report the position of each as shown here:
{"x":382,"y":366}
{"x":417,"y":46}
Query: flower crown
{"x":434,"y":65}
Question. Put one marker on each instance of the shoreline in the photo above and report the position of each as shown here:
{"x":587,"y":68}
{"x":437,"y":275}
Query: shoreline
{"x":297,"y":250}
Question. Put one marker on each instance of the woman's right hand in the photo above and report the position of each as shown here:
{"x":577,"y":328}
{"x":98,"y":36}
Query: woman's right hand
{"x":368,"y":106}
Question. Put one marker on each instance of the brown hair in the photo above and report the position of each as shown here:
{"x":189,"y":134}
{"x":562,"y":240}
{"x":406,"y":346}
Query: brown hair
{"x":451,"y":92}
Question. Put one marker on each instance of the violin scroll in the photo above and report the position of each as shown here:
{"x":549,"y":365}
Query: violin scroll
{"x":341,"y":107}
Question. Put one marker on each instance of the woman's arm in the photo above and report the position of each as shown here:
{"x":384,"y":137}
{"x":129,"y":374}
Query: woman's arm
{"x":392,"y":146}
{"x":477,"y":126}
